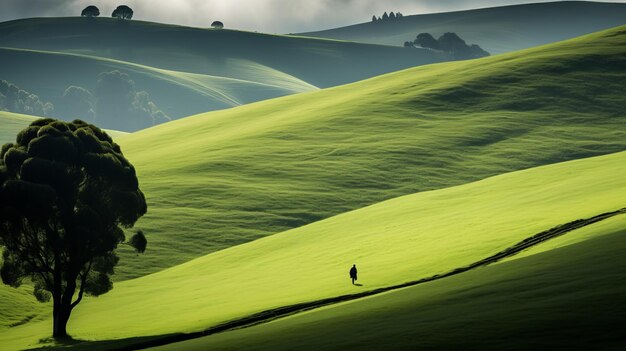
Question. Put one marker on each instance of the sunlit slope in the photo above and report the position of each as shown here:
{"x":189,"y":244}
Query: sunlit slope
{"x":496,"y":29}
{"x":224,"y":53}
{"x":178,"y":94}
{"x":13,"y":123}
{"x":220,"y":179}
{"x":571,"y":297}
{"x":392,"y":242}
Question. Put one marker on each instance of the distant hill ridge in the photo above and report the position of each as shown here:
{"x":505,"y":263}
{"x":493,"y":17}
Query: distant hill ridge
{"x":495,"y":29}
{"x":186,"y":70}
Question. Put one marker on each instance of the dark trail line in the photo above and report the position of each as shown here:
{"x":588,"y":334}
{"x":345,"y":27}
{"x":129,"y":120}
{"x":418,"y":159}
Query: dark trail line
{"x":272,"y":314}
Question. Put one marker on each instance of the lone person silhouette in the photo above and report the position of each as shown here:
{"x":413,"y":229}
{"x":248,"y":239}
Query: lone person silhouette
{"x":353,"y":273}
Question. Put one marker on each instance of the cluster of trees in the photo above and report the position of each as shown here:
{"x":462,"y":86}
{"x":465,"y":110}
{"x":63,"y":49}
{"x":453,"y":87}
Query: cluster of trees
{"x":14,"y":99}
{"x":125,"y":12}
{"x":115,"y":104}
{"x":119,"y":104}
{"x":450,"y":43}
{"x":66,"y":192}
{"x":122,"y":12}
{"x":387,"y":16}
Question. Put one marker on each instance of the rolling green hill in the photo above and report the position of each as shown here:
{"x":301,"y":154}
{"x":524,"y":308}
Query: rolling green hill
{"x":571,"y":297}
{"x":392,"y":242}
{"x":223,"y":53}
{"x":220,"y":179}
{"x":178,"y":94}
{"x":497,"y":29}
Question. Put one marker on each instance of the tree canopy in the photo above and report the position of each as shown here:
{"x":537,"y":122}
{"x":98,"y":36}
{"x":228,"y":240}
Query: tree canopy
{"x":77,"y":103}
{"x":452,"y":44}
{"x":90,"y":11}
{"x":217,"y":25}
{"x":123,"y":12}
{"x":119,"y":106}
{"x":426,"y":40}
{"x":66,"y":192}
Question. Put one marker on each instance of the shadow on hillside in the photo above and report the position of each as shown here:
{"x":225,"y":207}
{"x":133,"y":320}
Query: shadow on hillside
{"x":117,"y":344}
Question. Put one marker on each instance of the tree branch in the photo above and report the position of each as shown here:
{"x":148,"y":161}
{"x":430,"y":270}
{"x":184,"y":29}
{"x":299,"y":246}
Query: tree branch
{"x":83,"y":279}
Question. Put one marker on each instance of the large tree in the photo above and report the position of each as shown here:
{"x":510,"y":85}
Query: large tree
{"x":123,"y":12}
{"x":66,"y":192}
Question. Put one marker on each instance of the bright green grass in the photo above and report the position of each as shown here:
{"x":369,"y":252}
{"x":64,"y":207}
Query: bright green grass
{"x":496,"y":29}
{"x":177,"y":93}
{"x":13,"y":123}
{"x":572,"y":297}
{"x":392,"y":242}
{"x":221,"y":179}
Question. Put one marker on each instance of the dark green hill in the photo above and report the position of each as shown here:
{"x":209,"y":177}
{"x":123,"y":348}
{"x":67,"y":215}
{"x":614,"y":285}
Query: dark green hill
{"x":177,"y":94}
{"x":183,"y":70}
{"x":223,"y":53}
{"x":496,"y":29}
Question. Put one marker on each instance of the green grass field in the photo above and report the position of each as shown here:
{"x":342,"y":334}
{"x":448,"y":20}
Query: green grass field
{"x":399,"y":240}
{"x":570,"y":297}
{"x":224,"y":178}
{"x":496,"y":29}
{"x":385,"y":173}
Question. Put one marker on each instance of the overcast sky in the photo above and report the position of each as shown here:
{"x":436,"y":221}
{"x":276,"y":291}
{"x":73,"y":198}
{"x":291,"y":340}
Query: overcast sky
{"x":272,"y":16}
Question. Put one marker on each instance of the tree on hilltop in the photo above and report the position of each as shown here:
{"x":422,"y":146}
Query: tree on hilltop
{"x":451,"y":44}
{"x":90,"y":11}
{"x":426,"y":40}
{"x":217,"y":25}
{"x":385,"y":16}
{"x":66,"y":192}
{"x":122,"y":12}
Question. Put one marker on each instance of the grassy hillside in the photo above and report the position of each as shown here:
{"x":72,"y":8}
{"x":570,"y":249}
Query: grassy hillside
{"x":224,"y":53}
{"x":13,"y":123}
{"x":178,"y":94}
{"x":568,"y":298}
{"x":392,"y":242}
{"x":220,"y":179}
{"x":497,"y":29}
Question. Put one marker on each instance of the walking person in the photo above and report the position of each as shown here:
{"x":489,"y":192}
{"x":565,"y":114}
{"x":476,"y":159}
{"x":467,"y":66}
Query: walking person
{"x":353,"y":273}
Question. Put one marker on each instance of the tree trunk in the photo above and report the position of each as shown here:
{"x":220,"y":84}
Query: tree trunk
{"x":61,"y":311}
{"x":60,"y":316}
